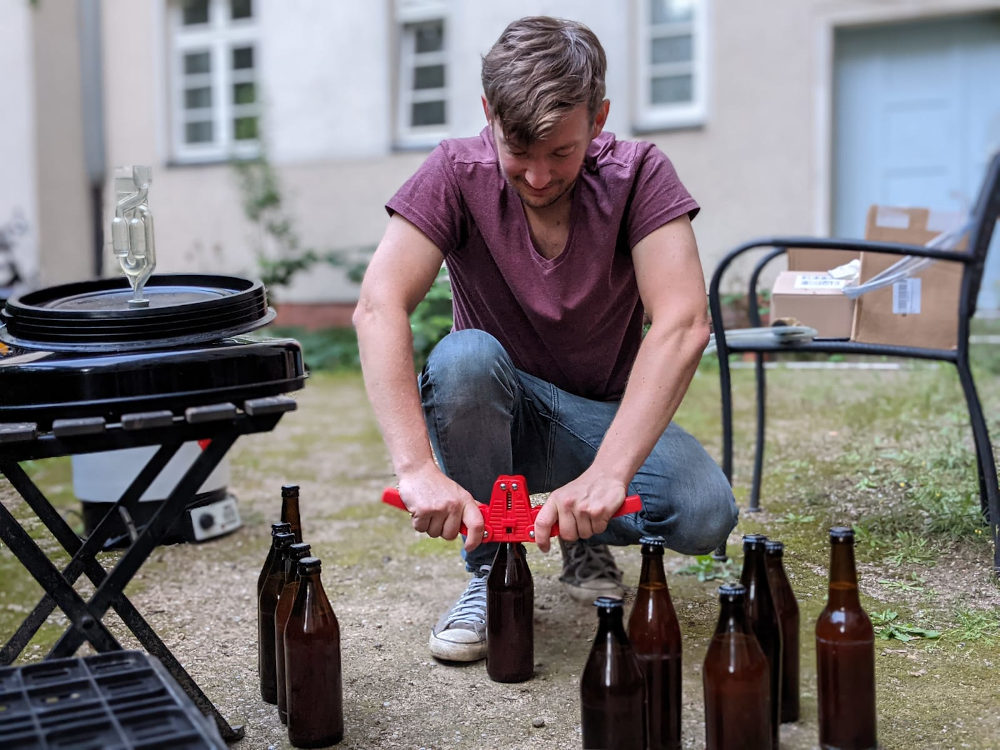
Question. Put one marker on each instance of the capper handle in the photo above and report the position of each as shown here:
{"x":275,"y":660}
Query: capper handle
{"x":631,"y":504}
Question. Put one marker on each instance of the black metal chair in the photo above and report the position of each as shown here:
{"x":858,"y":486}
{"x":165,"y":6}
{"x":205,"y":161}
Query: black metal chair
{"x":984,"y":218}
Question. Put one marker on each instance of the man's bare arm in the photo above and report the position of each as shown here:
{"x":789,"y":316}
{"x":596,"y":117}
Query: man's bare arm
{"x":672,"y":288}
{"x":401,"y":271}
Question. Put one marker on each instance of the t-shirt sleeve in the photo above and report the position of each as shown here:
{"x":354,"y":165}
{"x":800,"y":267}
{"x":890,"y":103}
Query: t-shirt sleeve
{"x":658,"y":196}
{"x":432,"y":201}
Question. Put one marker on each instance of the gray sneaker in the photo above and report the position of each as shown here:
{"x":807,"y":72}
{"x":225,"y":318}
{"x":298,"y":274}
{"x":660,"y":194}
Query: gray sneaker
{"x":460,"y":634}
{"x":589,"y":571}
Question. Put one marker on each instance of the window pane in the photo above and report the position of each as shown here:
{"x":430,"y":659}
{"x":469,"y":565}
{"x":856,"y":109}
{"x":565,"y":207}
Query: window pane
{"x":671,"y":89}
{"x":197,"y":62}
{"x":671,"y":11}
{"x":672,"y":49}
{"x":242,"y":58}
{"x":198,"y":98}
{"x":240,"y":9}
{"x":427,"y":113}
{"x":198,"y":132}
{"x":428,"y":77}
{"x":195,"y":12}
{"x":430,"y":37}
{"x":244,"y":93}
{"x":245,"y":128}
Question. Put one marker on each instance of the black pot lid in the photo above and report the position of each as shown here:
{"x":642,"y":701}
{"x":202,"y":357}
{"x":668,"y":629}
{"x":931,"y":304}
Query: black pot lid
{"x":95,"y":315}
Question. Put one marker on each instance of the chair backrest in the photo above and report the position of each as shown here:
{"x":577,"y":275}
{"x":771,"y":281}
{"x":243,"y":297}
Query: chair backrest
{"x":985,"y":214}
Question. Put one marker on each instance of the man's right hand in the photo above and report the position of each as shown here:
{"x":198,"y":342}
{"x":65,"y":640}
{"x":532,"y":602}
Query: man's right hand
{"x":439,"y":506}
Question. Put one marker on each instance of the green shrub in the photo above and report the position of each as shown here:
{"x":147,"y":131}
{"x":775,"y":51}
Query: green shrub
{"x":432,"y":320}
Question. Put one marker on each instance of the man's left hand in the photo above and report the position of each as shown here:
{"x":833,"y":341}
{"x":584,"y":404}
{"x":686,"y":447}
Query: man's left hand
{"x":582,"y":508}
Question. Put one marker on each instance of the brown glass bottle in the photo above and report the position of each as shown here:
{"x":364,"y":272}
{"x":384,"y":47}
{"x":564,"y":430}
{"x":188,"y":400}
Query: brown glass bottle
{"x":762,"y":617}
{"x":788,"y":614}
{"x":281,"y":611}
{"x":269,"y":561}
{"x":612,"y":688}
{"x":312,"y":664}
{"x":845,"y":656}
{"x":736,"y":679}
{"x":655,"y":636}
{"x":510,"y":607}
{"x":290,"y":509}
{"x":266,"y":602}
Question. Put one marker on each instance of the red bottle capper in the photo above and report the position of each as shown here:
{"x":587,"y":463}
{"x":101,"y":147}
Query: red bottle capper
{"x":510,"y":516}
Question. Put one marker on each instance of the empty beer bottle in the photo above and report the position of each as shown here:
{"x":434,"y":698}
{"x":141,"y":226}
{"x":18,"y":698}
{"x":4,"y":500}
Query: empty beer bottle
{"x":736,"y":681}
{"x":510,"y":607}
{"x":612,"y":688}
{"x":266,"y":602}
{"x":290,"y":509}
{"x":269,"y":561}
{"x":281,"y":611}
{"x":655,"y":636}
{"x":762,"y":617}
{"x":788,"y":615}
{"x":845,"y":656}
{"x":312,"y":664}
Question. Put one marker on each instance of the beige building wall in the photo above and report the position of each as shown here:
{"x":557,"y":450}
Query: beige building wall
{"x":759,"y":165}
{"x":65,"y":245}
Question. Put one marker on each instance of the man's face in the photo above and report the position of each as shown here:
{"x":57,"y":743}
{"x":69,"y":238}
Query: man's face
{"x":545,"y":171}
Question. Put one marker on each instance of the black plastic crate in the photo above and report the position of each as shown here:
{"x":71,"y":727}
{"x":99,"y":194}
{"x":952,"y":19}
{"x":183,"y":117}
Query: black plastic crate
{"x":122,"y":700}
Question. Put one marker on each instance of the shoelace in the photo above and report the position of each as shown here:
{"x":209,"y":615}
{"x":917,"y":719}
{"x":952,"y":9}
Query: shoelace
{"x":471,"y":605}
{"x":587,"y":562}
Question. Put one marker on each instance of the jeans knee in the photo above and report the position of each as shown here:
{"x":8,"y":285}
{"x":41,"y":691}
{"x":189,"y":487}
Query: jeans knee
{"x":696,"y":527}
{"x":468,"y":363}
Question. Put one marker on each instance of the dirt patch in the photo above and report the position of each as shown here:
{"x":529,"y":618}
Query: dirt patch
{"x":388,"y":585}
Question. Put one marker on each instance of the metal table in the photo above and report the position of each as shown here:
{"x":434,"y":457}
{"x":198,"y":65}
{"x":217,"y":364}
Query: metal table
{"x":65,"y":403}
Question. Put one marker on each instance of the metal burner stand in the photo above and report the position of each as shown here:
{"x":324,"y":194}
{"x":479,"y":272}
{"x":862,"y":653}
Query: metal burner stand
{"x":219,"y":423}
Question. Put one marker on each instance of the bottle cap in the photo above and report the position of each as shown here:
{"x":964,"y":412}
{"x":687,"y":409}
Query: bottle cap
{"x":653,"y":541}
{"x":309,"y":565}
{"x":299,"y":550}
{"x":287,"y":490}
{"x":841,"y":534}
{"x":284,"y":539}
{"x":278,"y":528}
{"x":732,"y":590}
{"x":774,"y":547}
{"x":608,"y":602}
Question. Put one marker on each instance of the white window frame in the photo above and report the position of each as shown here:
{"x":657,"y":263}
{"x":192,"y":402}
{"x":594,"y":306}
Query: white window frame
{"x":651,"y":116}
{"x":409,"y":15}
{"x":218,"y":37}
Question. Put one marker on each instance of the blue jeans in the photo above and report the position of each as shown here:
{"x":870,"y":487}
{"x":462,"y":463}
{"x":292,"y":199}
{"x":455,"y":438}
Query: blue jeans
{"x":487,"y":418}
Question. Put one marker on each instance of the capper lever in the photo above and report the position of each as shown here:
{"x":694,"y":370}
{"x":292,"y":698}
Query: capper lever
{"x":510,"y":516}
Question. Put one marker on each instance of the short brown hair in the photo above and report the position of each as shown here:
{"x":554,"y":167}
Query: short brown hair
{"x":538,"y":70}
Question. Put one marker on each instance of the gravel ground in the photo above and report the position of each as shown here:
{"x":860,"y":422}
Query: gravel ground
{"x":388,"y":585}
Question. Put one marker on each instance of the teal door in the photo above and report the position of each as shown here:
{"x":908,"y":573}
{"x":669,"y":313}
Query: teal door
{"x":916,"y":118}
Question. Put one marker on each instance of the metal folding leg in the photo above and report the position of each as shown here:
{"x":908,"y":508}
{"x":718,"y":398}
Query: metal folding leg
{"x":86,"y":616}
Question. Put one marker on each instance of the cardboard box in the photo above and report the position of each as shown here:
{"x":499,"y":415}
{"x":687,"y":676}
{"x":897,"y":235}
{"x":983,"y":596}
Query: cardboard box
{"x":806,"y":259}
{"x":814,"y":299}
{"x":921,"y":311}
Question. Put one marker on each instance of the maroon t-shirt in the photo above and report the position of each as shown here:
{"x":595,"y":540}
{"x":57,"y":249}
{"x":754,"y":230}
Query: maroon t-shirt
{"x":575,"y":320}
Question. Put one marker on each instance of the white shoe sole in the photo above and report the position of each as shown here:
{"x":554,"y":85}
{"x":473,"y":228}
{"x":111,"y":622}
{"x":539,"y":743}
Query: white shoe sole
{"x":451,"y":651}
{"x":587,"y":595}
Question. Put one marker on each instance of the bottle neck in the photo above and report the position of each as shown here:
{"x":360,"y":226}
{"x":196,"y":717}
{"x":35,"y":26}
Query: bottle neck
{"x":610,"y":623}
{"x":754,"y":575}
{"x":732,"y":616}
{"x":310,"y":593}
{"x":843,"y":574}
{"x":652,"y":569}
